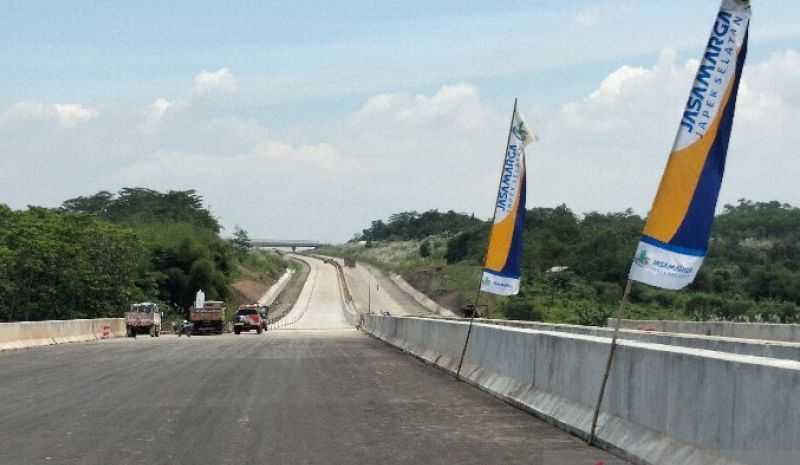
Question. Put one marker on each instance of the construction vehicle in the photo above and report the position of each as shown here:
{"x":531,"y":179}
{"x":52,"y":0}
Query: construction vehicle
{"x":143,"y":318}
{"x":210,"y":318}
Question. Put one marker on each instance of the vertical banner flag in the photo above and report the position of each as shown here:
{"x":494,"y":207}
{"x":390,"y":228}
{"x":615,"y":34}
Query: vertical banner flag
{"x":501,"y":270}
{"x":675,"y":237}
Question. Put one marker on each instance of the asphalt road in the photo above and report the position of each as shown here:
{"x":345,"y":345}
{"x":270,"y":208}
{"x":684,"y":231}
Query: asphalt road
{"x":287,"y":397}
{"x":317,"y":393}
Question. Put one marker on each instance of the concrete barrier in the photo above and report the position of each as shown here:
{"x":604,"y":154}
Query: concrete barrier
{"x":275,"y":290}
{"x":664,"y":405}
{"x":420,"y":297}
{"x":765,"y":331}
{"x":756,"y":347}
{"x":40,"y":333}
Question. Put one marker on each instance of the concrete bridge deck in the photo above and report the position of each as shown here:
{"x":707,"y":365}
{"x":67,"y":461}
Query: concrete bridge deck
{"x":320,"y":393}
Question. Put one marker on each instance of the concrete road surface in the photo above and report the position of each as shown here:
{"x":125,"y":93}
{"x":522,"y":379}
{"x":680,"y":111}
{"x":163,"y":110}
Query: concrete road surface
{"x":287,"y":397}
{"x":319,"y":305}
{"x":328,"y":396}
{"x":373,"y":290}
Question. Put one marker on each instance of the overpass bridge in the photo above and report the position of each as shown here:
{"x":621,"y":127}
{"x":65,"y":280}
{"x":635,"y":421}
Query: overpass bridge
{"x":285,"y":243}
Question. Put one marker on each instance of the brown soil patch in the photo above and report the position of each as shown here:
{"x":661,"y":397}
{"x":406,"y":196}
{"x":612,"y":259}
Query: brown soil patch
{"x":427,"y":281}
{"x":249,"y":291}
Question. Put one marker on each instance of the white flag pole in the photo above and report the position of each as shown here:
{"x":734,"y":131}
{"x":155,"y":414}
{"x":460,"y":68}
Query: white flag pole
{"x":483,"y":262}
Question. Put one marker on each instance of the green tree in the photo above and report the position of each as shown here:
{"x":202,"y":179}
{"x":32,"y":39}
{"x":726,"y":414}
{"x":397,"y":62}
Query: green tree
{"x":425,"y":249}
{"x":241,"y":240}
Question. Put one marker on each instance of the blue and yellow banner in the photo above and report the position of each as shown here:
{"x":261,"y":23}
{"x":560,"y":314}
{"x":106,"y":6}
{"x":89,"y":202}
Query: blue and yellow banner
{"x":501,"y":272}
{"x":675,"y":238}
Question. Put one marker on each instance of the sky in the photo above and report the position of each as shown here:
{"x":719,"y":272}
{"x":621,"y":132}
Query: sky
{"x":308,"y":120}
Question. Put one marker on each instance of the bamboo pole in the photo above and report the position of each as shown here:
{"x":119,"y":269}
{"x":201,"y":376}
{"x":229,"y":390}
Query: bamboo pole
{"x":620,"y":314}
{"x":483,"y":262}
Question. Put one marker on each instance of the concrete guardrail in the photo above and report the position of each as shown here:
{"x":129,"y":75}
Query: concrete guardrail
{"x":663,"y":405}
{"x":275,"y":290}
{"x":764,"y":331}
{"x":40,"y":333}
{"x":756,"y":347}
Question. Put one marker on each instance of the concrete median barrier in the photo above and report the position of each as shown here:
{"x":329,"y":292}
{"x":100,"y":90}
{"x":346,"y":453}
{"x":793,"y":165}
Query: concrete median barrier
{"x":41,"y":333}
{"x":664,"y":404}
{"x":764,"y":331}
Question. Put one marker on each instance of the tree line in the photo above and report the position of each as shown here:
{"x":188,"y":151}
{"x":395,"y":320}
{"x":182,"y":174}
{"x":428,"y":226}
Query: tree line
{"x":411,"y":225}
{"x":575,"y":266}
{"x":94,"y":255}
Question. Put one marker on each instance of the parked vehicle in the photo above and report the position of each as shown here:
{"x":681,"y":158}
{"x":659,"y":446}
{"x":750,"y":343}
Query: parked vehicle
{"x":143,"y":318}
{"x":210,"y":318}
{"x":249,"y":318}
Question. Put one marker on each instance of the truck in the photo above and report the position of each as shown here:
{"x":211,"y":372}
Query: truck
{"x":249,"y":318}
{"x":210,"y":318}
{"x":143,"y":318}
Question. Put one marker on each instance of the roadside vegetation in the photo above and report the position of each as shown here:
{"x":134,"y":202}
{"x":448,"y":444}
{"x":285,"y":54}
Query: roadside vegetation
{"x":94,"y":255}
{"x":575,"y":266}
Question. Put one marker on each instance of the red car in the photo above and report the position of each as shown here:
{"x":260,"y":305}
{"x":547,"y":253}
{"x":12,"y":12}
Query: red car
{"x":248,"y":318}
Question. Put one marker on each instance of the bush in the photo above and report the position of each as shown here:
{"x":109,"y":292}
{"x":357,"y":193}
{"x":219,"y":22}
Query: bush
{"x":591,"y":314}
{"x":703,"y":307}
{"x":425,"y":249}
{"x":521,"y":310}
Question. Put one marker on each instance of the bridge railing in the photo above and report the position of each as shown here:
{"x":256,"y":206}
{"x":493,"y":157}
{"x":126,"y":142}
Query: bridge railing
{"x":664,"y":404}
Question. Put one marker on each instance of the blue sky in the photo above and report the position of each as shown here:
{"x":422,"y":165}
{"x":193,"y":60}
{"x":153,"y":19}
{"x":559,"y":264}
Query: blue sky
{"x":333,"y":54}
{"x":303,"y":69}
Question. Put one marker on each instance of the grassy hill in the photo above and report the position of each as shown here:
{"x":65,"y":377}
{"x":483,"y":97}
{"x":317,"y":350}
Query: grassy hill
{"x":575,"y":266}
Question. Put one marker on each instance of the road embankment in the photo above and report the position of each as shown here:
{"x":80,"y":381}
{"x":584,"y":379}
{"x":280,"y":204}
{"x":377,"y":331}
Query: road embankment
{"x":285,"y":299}
{"x":663,"y":405}
{"x":42,"y":333}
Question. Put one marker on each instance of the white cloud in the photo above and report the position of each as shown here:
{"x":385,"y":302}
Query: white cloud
{"x":399,"y":151}
{"x":68,"y":115}
{"x":157,"y":109}
{"x":452,"y":104}
{"x":220,"y":81}
{"x":607,"y":151}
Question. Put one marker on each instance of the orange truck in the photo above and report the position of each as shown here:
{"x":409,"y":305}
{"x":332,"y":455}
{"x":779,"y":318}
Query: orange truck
{"x":143,"y":318}
{"x":210,"y":318}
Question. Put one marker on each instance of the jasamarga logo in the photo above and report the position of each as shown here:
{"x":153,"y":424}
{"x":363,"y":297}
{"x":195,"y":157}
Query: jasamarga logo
{"x":642,"y":259}
{"x":716,"y":69}
{"x":509,"y":180}
{"x":672,"y":267}
{"x":520,"y":131}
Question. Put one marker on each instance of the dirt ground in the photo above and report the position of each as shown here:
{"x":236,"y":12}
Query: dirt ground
{"x":249,"y":291}
{"x":426,"y":282}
